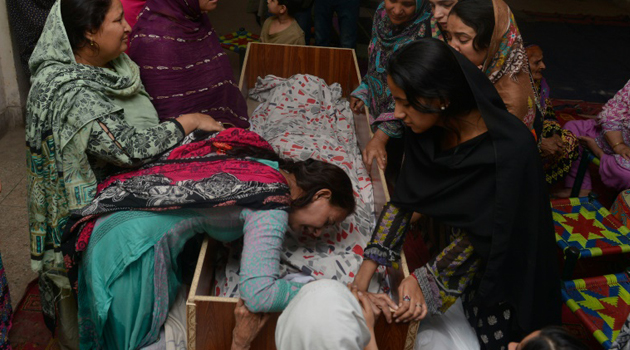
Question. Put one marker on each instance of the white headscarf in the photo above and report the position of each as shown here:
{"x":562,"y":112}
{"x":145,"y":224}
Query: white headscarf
{"x":323,"y":316}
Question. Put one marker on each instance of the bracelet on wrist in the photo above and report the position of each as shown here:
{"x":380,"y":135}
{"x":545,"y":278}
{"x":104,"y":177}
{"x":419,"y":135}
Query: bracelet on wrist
{"x":617,"y":144}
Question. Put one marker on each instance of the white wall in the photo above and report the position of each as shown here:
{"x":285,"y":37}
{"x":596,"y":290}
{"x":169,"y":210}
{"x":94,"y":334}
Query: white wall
{"x":11,"y":98}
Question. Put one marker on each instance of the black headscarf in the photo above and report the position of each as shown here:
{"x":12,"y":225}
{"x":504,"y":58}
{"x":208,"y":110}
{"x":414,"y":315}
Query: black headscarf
{"x":492,"y":186}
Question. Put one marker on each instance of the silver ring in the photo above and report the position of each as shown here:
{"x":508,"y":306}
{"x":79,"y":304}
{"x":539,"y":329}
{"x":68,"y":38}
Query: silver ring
{"x":418,"y":305}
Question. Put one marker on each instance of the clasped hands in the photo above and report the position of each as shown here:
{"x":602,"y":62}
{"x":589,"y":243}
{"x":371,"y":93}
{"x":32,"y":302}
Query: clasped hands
{"x":411,"y":307}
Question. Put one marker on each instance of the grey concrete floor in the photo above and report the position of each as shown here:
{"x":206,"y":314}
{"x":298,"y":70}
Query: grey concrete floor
{"x":14,"y":238}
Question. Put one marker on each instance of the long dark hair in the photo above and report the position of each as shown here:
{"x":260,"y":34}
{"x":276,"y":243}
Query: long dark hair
{"x":428,"y":69}
{"x":83,"y":16}
{"x":478,"y":15}
{"x":311,"y":176}
{"x":554,"y":338}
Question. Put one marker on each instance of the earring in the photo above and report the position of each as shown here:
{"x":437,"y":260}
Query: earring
{"x":443,"y":107}
{"x":91,"y":42}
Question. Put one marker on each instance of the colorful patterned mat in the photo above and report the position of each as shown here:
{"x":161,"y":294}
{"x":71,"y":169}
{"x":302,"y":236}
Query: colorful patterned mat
{"x":576,"y":328}
{"x":600,"y":303}
{"x":589,"y":227}
{"x":237,"y":41}
{"x":621,"y":208}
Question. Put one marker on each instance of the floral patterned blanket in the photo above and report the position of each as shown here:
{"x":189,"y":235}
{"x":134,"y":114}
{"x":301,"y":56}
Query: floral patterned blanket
{"x":302,"y":117}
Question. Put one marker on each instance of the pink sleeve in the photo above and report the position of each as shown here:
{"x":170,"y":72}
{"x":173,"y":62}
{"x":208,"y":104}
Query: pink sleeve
{"x":616,"y":112}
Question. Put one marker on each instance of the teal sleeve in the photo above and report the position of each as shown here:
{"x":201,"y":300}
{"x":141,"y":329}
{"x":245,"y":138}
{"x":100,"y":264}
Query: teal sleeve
{"x":260,"y":285}
{"x":361,"y":92}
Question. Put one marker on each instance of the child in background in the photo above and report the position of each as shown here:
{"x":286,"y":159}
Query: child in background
{"x":282,"y":28}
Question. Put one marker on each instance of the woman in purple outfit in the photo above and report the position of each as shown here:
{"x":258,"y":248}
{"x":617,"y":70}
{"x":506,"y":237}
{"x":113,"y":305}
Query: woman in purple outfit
{"x":182,"y":65}
{"x":608,"y":137}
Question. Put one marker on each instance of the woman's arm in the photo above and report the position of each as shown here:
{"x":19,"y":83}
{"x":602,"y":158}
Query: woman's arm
{"x":370,"y":316}
{"x":375,"y":149}
{"x":113,"y":140}
{"x":441,"y":281}
{"x":386,"y":128}
{"x":359,"y":98}
{"x":386,"y":243}
{"x":361,"y":92}
{"x":615,"y":114}
{"x":193,"y":121}
{"x":614,"y":138}
{"x":366,"y":271}
{"x":372,"y":344}
{"x":247,"y":327}
{"x":616,"y":142}
{"x":260,"y":285}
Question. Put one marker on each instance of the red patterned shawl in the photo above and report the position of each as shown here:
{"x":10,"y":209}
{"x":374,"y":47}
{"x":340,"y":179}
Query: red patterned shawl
{"x":196,"y":174}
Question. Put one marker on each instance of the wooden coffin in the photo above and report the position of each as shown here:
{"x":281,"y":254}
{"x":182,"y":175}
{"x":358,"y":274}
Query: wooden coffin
{"x":210,"y":320}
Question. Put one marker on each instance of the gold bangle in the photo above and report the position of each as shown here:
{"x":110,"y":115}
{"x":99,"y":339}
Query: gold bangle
{"x":617,"y":144}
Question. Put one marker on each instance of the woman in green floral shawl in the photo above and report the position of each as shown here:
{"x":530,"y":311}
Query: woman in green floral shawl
{"x":395,"y":24}
{"x":87,"y":115}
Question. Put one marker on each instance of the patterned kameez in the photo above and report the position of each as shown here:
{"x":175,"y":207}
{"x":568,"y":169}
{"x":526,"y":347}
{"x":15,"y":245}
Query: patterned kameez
{"x":388,"y":38}
{"x":83,"y":122}
{"x":450,"y":274}
{"x":614,"y":169}
{"x":556,"y":166}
